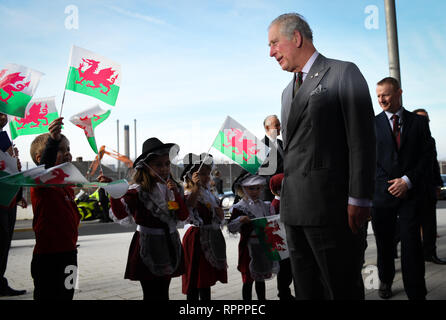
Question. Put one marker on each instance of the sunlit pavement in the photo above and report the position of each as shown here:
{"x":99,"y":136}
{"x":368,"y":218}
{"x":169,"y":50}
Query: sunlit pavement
{"x":102,"y":260}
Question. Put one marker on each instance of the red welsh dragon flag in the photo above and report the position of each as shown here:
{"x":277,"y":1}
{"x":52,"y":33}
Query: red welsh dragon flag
{"x":88,"y":120}
{"x":94,"y":75}
{"x":17,"y":86}
{"x":271,"y":234}
{"x":39,"y":113}
{"x":240,"y":145}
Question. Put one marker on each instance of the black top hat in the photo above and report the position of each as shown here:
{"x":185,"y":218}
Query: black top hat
{"x":153,"y":146}
{"x":192,"y":162}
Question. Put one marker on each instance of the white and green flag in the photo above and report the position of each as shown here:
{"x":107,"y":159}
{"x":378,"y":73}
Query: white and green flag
{"x":271,"y":234}
{"x":8,"y":174}
{"x":93,"y":75}
{"x":17,"y":86}
{"x":39,"y":114}
{"x":240,"y":145}
{"x":88,"y":120}
{"x":65,"y":174}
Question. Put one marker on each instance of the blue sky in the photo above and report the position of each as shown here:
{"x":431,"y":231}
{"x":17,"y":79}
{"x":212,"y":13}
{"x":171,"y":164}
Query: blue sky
{"x":186,"y":65}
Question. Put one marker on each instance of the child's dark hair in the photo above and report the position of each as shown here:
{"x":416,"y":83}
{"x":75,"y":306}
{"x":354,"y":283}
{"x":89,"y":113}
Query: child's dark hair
{"x":187,"y":177}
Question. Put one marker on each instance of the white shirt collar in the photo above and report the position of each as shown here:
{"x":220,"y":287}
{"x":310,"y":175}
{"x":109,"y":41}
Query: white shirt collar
{"x":273,"y":140}
{"x":398,"y":113}
{"x":309,"y":64}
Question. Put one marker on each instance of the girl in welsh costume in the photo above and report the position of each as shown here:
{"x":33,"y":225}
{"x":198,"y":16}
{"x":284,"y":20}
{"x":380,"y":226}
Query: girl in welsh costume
{"x":203,"y":243}
{"x":155,"y":203}
{"x":253,"y":262}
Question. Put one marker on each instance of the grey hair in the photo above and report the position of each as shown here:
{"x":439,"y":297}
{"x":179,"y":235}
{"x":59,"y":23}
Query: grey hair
{"x":290,"y":22}
{"x":269,"y":117}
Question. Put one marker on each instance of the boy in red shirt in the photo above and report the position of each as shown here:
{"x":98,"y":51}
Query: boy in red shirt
{"x":55,"y":223}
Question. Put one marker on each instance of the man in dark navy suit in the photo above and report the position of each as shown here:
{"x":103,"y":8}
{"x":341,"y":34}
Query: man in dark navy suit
{"x":404,"y":154}
{"x":274,"y":162}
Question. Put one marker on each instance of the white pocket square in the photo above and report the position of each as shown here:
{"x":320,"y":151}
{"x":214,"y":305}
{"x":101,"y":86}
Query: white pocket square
{"x":318,"y":90}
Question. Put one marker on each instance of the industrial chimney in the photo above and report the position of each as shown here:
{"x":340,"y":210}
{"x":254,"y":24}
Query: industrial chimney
{"x":127,"y":140}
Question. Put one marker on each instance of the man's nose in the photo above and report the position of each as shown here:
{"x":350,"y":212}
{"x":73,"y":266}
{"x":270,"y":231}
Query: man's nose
{"x":272,"y":51}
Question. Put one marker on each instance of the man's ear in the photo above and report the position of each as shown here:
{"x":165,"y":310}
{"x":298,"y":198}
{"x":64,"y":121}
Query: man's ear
{"x":298,"y":40}
{"x":38,"y":157}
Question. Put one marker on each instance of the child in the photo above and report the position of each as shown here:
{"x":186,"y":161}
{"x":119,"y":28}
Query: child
{"x":253,"y":262}
{"x":203,"y":243}
{"x":155,"y":203}
{"x":55,"y":222}
{"x":284,"y":277}
{"x":275,"y":185}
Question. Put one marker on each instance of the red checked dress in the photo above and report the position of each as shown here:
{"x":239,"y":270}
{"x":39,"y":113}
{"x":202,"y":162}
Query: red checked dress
{"x":204,"y":247}
{"x":155,"y":250}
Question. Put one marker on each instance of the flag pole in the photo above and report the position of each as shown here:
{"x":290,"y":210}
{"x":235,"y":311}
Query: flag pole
{"x":63,"y":100}
{"x":207,"y":154}
{"x":65,"y":89}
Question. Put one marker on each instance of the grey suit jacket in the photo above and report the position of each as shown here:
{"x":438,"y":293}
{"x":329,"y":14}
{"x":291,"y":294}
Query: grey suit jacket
{"x":329,"y":144}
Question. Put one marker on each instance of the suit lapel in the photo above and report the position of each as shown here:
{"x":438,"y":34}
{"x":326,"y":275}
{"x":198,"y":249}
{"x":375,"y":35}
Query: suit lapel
{"x":300,"y":101}
{"x":287,"y":99}
{"x":384,"y":127}
{"x":271,"y":145}
{"x":407,"y":121}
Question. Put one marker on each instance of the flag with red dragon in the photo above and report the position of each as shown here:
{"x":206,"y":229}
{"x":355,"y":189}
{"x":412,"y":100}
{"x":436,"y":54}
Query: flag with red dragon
{"x":271,"y":234}
{"x":39,"y":113}
{"x":88,"y":120}
{"x":65,"y":174}
{"x":17,"y":86}
{"x":94,"y":75}
{"x":240,"y":145}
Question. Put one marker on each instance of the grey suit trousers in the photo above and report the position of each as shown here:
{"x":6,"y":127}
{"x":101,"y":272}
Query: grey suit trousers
{"x":327,"y":262}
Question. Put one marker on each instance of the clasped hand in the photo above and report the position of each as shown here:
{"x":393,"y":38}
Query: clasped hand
{"x":398,"y":187}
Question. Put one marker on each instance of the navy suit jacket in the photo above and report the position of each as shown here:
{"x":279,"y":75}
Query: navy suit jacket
{"x":413,"y":159}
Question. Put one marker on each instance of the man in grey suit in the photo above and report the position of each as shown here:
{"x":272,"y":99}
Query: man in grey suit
{"x":329,"y":164}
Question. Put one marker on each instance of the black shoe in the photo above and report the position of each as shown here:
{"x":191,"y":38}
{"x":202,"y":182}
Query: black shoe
{"x":385,"y":290}
{"x":434,"y":259}
{"x":9,"y":292}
